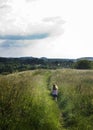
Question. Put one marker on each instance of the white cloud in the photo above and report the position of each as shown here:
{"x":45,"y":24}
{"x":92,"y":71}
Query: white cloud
{"x":20,"y":19}
{"x":31,"y":0}
{"x":33,"y":17}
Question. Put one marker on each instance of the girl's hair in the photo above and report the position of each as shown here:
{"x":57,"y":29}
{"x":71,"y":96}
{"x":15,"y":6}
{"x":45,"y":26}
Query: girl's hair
{"x":55,"y":87}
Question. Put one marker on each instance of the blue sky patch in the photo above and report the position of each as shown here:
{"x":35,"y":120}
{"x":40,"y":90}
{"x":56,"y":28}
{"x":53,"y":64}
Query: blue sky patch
{"x":11,"y":44}
{"x":24,"y":37}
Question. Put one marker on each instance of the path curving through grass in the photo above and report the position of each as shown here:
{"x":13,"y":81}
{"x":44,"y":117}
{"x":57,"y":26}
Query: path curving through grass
{"x":26,"y":102}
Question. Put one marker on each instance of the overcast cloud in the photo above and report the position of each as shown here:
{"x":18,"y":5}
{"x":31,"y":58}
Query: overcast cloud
{"x":46,"y":28}
{"x":17,"y":19}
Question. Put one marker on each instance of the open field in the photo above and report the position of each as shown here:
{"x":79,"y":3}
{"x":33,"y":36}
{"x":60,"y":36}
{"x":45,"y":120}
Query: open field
{"x":26,"y":102}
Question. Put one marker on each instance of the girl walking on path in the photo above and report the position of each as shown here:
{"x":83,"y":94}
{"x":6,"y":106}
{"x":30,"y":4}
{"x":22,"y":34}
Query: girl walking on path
{"x":55,"y":92}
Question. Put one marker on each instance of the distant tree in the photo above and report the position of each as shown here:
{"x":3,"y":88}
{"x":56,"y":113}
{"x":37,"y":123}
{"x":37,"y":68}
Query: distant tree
{"x":83,"y":64}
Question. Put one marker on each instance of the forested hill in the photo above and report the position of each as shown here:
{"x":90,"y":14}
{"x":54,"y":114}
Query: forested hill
{"x":29,"y":63}
{"x":85,"y":58}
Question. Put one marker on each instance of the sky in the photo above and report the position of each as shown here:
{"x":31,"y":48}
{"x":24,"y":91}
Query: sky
{"x":46,"y":28}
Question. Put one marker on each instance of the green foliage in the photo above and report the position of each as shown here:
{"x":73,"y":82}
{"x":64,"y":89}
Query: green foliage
{"x":10,"y":65}
{"x":26,"y":102}
{"x":75,"y":98}
{"x":83,"y":64}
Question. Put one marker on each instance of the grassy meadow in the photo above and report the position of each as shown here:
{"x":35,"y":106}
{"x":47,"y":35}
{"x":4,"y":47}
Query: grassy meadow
{"x":26,"y":102}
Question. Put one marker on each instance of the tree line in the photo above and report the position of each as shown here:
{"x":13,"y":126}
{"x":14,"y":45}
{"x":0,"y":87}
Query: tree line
{"x":10,"y":65}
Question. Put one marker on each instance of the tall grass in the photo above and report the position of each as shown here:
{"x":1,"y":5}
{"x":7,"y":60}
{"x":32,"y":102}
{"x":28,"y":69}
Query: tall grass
{"x":26,"y":104}
{"x":75,"y":98}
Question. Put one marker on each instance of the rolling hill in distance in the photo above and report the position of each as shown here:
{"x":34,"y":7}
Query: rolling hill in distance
{"x":45,"y":58}
{"x":13,"y":64}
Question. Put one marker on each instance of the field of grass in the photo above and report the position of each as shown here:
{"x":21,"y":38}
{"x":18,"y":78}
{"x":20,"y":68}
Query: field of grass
{"x":26,"y":102}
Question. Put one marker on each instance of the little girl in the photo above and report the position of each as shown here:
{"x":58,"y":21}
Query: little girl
{"x":55,"y":91}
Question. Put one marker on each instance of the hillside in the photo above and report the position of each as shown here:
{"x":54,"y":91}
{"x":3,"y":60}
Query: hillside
{"x":85,"y":58}
{"x":26,"y":102}
{"x":10,"y":65}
